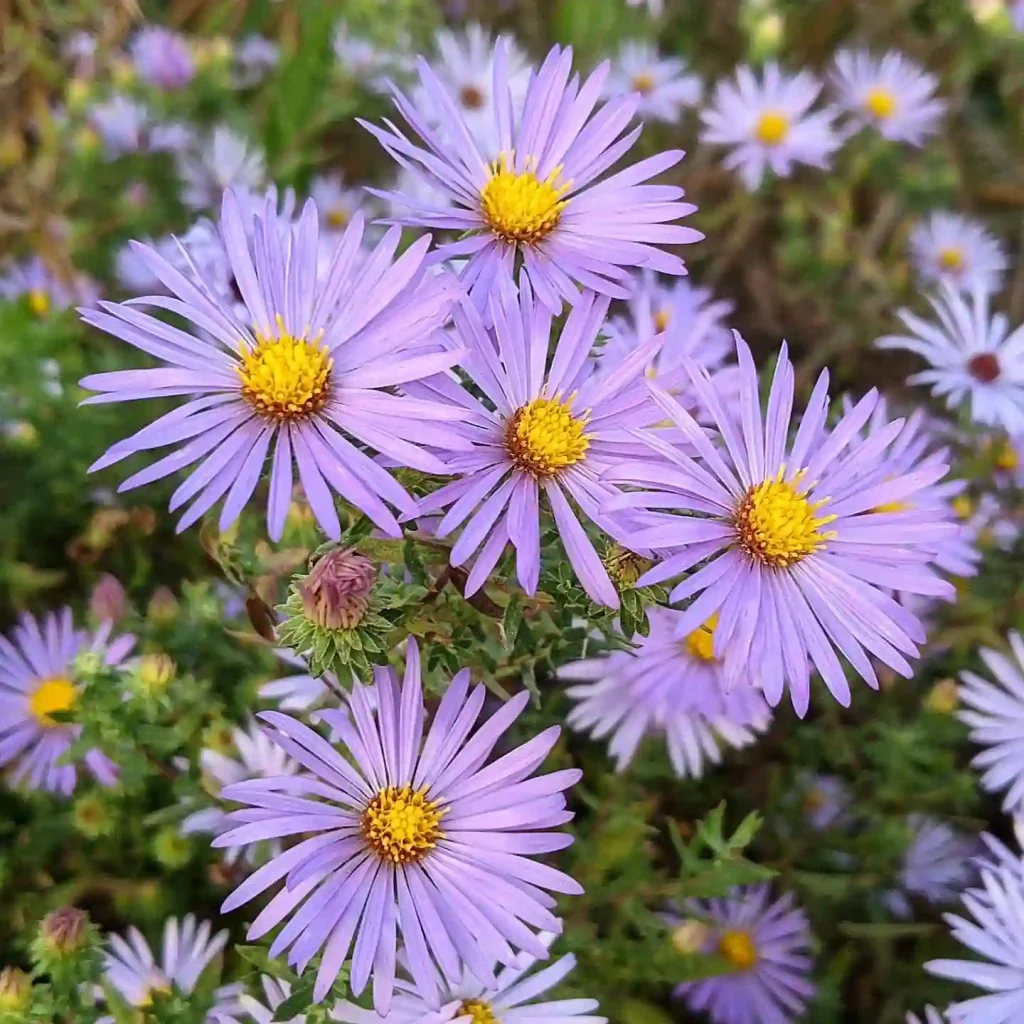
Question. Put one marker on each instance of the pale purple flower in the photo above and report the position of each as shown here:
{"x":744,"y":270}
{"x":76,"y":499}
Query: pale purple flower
{"x":37,"y":680}
{"x":973,"y":356}
{"x":254,"y":58}
{"x":275,"y":992}
{"x":120,"y":123}
{"x":766,"y":942}
{"x":824,"y":799}
{"x":31,"y":278}
{"x":223,"y":160}
{"x":1017,"y":14}
{"x":539,"y":192}
{"x":799,"y":557}
{"x":767,"y":123}
{"x":163,"y":58}
{"x":410,"y":837}
{"x":367,"y":63}
{"x":994,"y":711}
{"x":297,"y":379}
{"x":664,"y":85}
{"x":301,"y":691}
{"x":891,"y":93}
{"x":80,"y":49}
{"x":172,"y":137}
{"x":336,"y":203}
{"x":952,"y":249}
{"x":665,"y":687}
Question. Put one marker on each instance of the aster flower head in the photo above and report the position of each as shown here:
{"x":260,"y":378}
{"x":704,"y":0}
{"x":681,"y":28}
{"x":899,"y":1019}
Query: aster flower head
{"x":538,"y":195}
{"x":413,"y":836}
{"x":545,"y":428}
{"x":890,"y":93}
{"x":948,"y":248}
{"x":31,"y":278}
{"x":665,"y":686}
{"x":367,"y":63}
{"x":120,"y":124}
{"x":37,"y":680}
{"x":664,"y":84}
{"x":768,"y":124}
{"x":800,"y":557}
{"x":263,"y":1011}
{"x":163,"y":58}
{"x":254,"y":58}
{"x":298,"y":379}
{"x":765,"y":941}
{"x":336,"y":203}
{"x":300,"y":691}
{"x":973,"y":356}
{"x":994,"y":712}
{"x":825,"y":800}
{"x":992,"y":929}
{"x":224,"y":159}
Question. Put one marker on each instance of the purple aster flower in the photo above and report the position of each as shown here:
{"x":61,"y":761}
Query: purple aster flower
{"x":995,"y":714}
{"x":825,"y":800}
{"x":302,"y":691}
{"x":410,"y":836}
{"x":337,"y":204}
{"x":667,"y":686}
{"x":172,"y":137}
{"x":365,"y":62}
{"x":303,"y":372}
{"x":188,"y":949}
{"x":32,"y":279}
{"x":948,"y":248}
{"x":996,"y":934}
{"x":799,"y":557}
{"x":542,"y":429}
{"x":275,"y":992}
{"x":37,"y":680}
{"x":223,"y":160}
{"x":538,"y":193}
{"x":768,"y":124}
{"x":664,"y":84}
{"x":120,"y":123}
{"x":254,"y":58}
{"x":766,"y":944}
{"x":163,"y":58}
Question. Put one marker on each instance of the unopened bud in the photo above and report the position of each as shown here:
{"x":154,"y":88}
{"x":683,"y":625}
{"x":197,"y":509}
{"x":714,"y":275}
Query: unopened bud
{"x":690,"y":937}
{"x":108,"y":601}
{"x":336,"y":593}
{"x":944,"y":697}
{"x":163,"y":605}
{"x":65,"y":930}
{"x":15,"y":989}
{"x":155,"y":672}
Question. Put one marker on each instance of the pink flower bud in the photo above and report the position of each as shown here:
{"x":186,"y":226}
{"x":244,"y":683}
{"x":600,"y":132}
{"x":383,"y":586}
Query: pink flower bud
{"x":336,"y":593}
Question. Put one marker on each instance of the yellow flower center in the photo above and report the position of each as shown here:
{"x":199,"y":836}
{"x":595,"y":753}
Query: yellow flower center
{"x":700,"y":643}
{"x":951,"y":259}
{"x":643,"y":82}
{"x":478,"y":1010}
{"x":56,"y":694}
{"x":519,"y":207}
{"x":661,"y":320}
{"x":543,"y":437}
{"x":1006,"y":457}
{"x":337,"y":218}
{"x":944,"y":697}
{"x":39,"y":302}
{"x":402,"y":825}
{"x":285,"y":378}
{"x":738,"y":948}
{"x":814,"y":799}
{"x":772,"y":128}
{"x":146,"y":999}
{"x":880,"y":103}
{"x":777,"y":525}
{"x":963,"y":506}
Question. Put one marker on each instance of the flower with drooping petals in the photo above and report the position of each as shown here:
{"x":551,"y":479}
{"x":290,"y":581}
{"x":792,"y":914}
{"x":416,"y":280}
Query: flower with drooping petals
{"x":163,"y":58}
{"x":298,"y":379}
{"x":664,"y":85}
{"x":539,"y":194}
{"x":768,"y":124}
{"x":891,"y":94}
{"x":972,"y":355}
{"x":406,"y":836}
{"x":36,"y":681}
{"x":955,"y":250}
{"x":765,"y":942}
{"x":799,"y":555}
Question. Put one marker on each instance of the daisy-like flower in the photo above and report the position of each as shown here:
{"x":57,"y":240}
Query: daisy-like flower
{"x":258,"y":758}
{"x":669,"y":687}
{"x":337,"y":204}
{"x":163,"y":58}
{"x":367,"y":63}
{"x":972,"y":354}
{"x":301,"y":691}
{"x":994,"y":711}
{"x":765,"y":942}
{"x":663,"y":83}
{"x":996,"y":934}
{"x":543,"y":429}
{"x":275,"y":992}
{"x":408,"y":836}
{"x":120,"y":124}
{"x":188,"y":949}
{"x":36,"y":681}
{"x":304,"y":371}
{"x":768,"y":125}
{"x":539,"y":193}
{"x":931,"y":1016}
{"x":32,"y":279}
{"x":254,"y":58}
{"x":223,"y":160}
{"x":511,"y":1000}
{"x":825,"y":800}
{"x":891,"y":94}
{"x":800,"y":557}
{"x":950,"y":249}
{"x":937,"y":865}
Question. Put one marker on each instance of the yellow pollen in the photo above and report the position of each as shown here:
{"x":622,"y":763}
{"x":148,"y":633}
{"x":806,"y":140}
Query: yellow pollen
{"x":56,"y":694}
{"x":1006,"y":457}
{"x":777,"y":525}
{"x":402,"y":825}
{"x":951,"y":259}
{"x":661,"y":320}
{"x":880,"y":103}
{"x":285,"y":378}
{"x":701,"y":642}
{"x":39,"y":302}
{"x":738,"y":948}
{"x":338,"y":218}
{"x":772,"y":128}
{"x":543,"y":437}
{"x":478,"y":1010}
{"x":643,"y":82}
{"x":963,"y":506}
{"x":518,"y":206}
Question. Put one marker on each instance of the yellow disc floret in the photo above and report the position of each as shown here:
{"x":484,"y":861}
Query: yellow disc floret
{"x":777,"y":525}
{"x":880,"y":103}
{"x":518,"y":206}
{"x":401,"y":824}
{"x":285,"y":377}
{"x":738,"y":948}
{"x":544,"y":437}
{"x":478,"y":1010}
{"x":772,"y":128}
{"x":643,"y":82}
{"x":951,"y":259}
{"x":700,"y":643}
{"x":54,"y":694}
{"x":39,"y":301}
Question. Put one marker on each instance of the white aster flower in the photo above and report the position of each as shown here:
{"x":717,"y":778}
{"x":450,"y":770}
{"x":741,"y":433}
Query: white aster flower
{"x":950,"y":249}
{"x":335,"y":203}
{"x":367,"y":63}
{"x":224,"y":160}
{"x":663,"y":83}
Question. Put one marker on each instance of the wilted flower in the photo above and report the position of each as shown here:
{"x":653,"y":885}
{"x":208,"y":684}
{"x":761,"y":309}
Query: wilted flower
{"x":163,"y":58}
{"x":662,"y":83}
{"x":948,"y":248}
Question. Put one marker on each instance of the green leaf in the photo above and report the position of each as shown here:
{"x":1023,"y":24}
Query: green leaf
{"x":511,"y":621}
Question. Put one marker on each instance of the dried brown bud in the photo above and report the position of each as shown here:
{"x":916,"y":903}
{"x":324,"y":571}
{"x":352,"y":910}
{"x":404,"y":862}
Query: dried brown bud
{"x":108,"y":600}
{"x":64,"y":930}
{"x":15,"y":987}
{"x":336,"y":593}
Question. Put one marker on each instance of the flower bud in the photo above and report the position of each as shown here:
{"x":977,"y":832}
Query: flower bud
{"x":155,"y":672}
{"x":690,"y":937}
{"x":944,"y":697}
{"x":336,"y":593}
{"x":15,"y":989}
{"x":163,"y":605}
{"x":108,"y":601}
{"x":64,"y":931}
